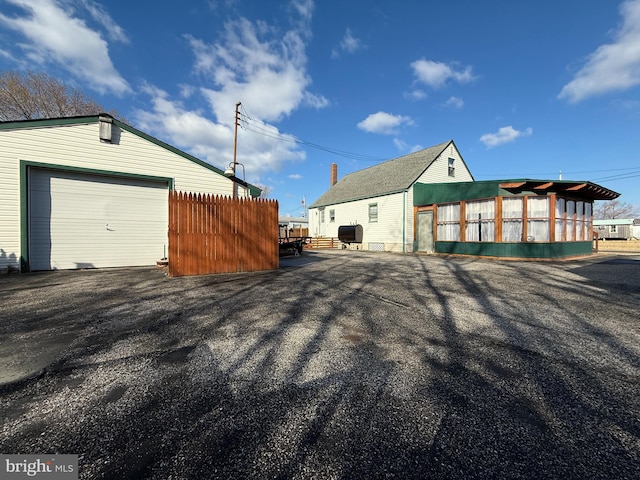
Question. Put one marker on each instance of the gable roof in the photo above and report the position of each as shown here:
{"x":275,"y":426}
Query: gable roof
{"x":388,"y":177}
{"x":55,"y":122}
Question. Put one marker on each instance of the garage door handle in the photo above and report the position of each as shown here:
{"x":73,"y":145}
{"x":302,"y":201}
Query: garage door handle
{"x":110,"y":229}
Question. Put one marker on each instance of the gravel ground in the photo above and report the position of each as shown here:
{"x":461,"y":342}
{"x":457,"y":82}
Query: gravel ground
{"x":340,"y":365}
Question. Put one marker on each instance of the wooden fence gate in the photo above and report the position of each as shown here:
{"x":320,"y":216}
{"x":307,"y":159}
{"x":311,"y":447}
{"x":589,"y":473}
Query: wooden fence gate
{"x":216,"y":234}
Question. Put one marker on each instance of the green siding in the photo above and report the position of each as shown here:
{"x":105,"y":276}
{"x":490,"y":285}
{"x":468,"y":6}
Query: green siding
{"x":516,"y":250}
{"x":433,"y":193}
{"x":428,"y":194}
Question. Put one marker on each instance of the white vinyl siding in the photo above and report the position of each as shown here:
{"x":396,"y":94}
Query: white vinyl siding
{"x":78,"y":146}
{"x":438,"y":171}
{"x":387,"y":230}
{"x":390,"y":229}
{"x":9,"y":214}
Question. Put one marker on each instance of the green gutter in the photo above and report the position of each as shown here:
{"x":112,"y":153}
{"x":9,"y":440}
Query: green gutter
{"x":54,"y":122}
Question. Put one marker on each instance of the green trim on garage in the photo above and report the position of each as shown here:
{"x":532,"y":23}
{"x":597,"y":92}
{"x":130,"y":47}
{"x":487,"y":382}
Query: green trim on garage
{"x":24,"y":195}
{"x":88,"y":119}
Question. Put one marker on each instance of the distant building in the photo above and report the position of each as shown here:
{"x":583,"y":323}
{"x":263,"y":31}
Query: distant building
{"x":428,"y":201}
{"x":618,"y":228}
{"x":294,"y":222}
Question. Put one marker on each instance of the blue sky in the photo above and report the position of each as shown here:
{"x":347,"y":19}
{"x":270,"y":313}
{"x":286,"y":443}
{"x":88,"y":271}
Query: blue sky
{"x":524,"y":88}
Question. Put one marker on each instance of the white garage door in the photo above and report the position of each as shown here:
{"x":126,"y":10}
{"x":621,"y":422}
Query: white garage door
{"x":79,"y":220}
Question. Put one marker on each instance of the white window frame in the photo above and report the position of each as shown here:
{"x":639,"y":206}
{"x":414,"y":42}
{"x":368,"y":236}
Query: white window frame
{"x":373,"y":212}
{"x":513,"y":224}
{"x":448,"y":224}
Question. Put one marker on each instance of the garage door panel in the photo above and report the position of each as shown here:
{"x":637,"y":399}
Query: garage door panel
{"x":81,"y":221}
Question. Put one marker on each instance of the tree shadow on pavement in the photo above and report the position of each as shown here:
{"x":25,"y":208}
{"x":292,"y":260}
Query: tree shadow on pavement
{"x":353,"y":365}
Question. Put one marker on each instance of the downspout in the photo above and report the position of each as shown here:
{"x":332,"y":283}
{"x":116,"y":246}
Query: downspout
{"x":404,"y":219}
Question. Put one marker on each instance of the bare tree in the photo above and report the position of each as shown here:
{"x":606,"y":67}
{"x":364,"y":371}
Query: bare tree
{"x":33,"y":96}
{"x":614,"y":209}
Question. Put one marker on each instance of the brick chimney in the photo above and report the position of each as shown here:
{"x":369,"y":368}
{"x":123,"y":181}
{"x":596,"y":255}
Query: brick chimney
{"x":334,"y":174}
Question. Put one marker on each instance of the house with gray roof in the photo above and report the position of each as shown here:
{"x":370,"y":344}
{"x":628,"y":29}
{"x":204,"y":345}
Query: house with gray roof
{"x":618,"y":228}
{"x":380,"y":198}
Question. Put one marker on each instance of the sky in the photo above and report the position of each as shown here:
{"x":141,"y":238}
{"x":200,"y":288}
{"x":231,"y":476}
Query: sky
{"x":526,"y":89}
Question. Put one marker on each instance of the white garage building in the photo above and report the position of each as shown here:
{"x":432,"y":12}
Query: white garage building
{"x":92,"y":192}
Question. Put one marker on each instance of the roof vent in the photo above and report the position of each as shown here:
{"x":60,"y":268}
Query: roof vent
{"x":106,"y":123}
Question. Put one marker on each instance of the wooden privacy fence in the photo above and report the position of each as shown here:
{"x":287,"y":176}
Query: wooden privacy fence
{"x":216,"y":234}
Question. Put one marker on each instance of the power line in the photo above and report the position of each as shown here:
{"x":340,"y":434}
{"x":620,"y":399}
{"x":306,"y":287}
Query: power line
{"x":620,"y":176}
{"x":258,"y":127}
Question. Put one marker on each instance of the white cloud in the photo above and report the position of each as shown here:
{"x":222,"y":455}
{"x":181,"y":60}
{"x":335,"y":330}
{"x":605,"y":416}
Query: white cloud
{"x":436,"y":74}
{"x":100,"y":15}
{"x":256,"y":64}
{"x":304,"y":8}
{"x":504,"y":135}
{"x":315,"y":101}
{"x":348,"y":44}
{"x":416,"y":94}
{"x":247,"y":62}
{"x":455,"y":102}
{"x":384,"y":123}
{"x":404,"y":146}
{"x":193,"y":132}
{"x":613,"y":66}
{"x":295,"y":176}
{"x":400,"y":144}
{"x":55,"y":34}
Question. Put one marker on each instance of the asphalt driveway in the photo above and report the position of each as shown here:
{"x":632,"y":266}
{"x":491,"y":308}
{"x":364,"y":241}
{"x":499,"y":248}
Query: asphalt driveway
{"x":339,"y":365}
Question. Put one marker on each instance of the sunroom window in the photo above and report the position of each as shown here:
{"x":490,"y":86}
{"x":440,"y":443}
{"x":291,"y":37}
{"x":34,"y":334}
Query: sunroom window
{"x":538,"y":219}
{"x":449,"y":222}
{"x":512,"y":210}
{"x":480,"y":221}
{"x":561,"y":222}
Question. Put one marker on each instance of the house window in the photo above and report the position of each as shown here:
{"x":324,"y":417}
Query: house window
{"x":332,"y":216}
{"x":538,"y":219}
{"x":512,"y":210}
{"x":448,"y":226}
{"x":322,"y":215}
{"x":373,"y":212}
{"x":613,"y":229}
{"x":480,"y":221}
{"x":452,"y":167}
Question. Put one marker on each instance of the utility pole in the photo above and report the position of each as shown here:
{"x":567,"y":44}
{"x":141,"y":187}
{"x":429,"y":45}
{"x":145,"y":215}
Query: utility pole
{"x":235,"y":146}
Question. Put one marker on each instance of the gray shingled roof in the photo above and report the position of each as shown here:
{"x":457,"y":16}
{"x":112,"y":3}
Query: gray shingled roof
{"x":382,"y":179}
